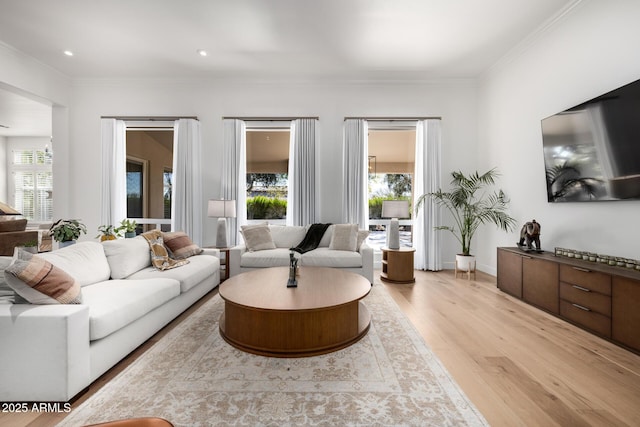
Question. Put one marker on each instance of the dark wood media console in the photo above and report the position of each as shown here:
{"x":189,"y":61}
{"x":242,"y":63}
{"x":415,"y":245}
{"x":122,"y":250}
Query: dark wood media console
{"x":599,"y":298}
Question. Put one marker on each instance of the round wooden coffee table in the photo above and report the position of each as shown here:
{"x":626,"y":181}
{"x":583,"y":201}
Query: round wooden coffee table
{"x":323,"y":314}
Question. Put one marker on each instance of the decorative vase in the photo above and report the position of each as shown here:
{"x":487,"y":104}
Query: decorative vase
{"x":129,"y":234}
{"x":65,"y":243}
{"x":106,"y":237}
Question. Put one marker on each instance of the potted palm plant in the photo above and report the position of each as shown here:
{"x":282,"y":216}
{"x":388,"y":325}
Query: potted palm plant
{"x":67,"y":231}
{"x":470,"y":209}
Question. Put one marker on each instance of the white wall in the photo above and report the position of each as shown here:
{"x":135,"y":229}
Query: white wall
{"x":592,"y":50}
{"x":454,"y":101}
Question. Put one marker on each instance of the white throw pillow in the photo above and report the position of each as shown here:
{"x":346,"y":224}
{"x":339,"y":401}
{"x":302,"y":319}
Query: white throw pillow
{"x":362,"y":236}
{"x":85,"y":261}
{"x":344,"y":238}
{"x":127,"y":256}
{"x":257,"y":237}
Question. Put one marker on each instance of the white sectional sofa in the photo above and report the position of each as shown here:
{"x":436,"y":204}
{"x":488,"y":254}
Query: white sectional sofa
{"x":359,"y":261}
{"x":50,"y":353}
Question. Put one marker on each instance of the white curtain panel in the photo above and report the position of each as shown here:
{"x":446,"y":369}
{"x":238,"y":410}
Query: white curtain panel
{"x":186,"y":209}
{"x":301,"y":198}
{"x":113,"y":207}
{"x":234,"y":173}
{"x":426,"y":239}
{"x":355,"y":204}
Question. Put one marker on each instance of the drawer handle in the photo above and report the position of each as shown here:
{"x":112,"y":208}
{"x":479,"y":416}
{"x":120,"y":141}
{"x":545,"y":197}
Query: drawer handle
{"x":581,"y":307}
{"x":585,"y":270}
{"x":580,"y":288}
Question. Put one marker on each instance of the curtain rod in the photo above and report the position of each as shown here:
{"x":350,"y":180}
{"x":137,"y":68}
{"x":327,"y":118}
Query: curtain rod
{"x":393,"y":119}
{"x":149,"y":118}
{"x":269,"y":119}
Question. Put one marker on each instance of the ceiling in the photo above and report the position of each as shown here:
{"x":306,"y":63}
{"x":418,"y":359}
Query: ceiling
{"x":276,"y":39}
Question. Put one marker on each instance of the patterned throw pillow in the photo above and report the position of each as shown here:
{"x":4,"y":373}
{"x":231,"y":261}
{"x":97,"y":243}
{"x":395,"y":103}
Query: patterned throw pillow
{"x":40,"y":282}
{"x":180,"y":245}
{"x":159,"y":256}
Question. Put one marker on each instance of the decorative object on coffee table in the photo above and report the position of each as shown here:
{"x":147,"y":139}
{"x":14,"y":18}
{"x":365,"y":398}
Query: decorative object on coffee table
{"x":293,"y":271}
{"x":222,"y":209}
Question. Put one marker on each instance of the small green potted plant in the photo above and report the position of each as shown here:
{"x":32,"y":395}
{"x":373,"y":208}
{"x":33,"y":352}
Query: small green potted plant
{"x":107,"y":232}
{"x":30,"y":246}
{"x":128,"y":226}
{"x":67,"y":231}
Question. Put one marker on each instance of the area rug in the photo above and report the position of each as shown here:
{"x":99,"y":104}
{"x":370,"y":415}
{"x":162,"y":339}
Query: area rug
{"x":192,"y":377}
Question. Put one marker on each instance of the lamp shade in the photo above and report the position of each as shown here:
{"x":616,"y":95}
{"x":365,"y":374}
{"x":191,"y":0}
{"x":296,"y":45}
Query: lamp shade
{"x":222,"y":209}
{"x":395,"y":209}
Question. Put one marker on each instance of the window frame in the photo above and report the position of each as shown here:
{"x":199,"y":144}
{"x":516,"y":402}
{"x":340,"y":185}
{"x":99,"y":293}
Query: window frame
{"x":35,"y":168}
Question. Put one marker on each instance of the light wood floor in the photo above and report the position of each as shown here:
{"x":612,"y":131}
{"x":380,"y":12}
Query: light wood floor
{"x":518,"y":365}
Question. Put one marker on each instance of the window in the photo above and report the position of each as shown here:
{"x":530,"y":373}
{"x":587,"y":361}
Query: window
{"x":135,"y":188}
{"x":149,"y":174}
{"x":391,"y":167}
{"x":267,"y":173}
{"x":167,"y":188}
{"x":31,"y":170}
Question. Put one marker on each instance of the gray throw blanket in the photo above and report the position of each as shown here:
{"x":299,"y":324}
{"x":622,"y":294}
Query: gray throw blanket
{"x":312,"y":238}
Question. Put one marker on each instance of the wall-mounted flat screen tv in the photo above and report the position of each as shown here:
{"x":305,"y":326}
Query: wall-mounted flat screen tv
{"x":592,"y":151}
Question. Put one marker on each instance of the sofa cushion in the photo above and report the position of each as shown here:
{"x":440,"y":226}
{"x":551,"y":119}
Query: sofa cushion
{"x":287,"y":236}
{"x":180,"y":245}
{"x":126,"y":256}
{"x":40,"y":282}
{"x":85,"y":261}
{"x":326,"y":239}
{"x":199,"y":268}
{"x":113,"y":304}
{"x":325,"y":257}
{"x":257,"y":237}
{"x":345,"y":237}
{"x":278,"y":257}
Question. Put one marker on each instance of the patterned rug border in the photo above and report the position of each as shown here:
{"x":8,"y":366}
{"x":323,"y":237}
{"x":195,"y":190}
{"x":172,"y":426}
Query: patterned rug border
{"x":469,"y":414}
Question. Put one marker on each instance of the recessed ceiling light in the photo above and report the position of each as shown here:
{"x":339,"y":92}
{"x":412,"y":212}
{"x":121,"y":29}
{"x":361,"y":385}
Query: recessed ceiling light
{"x":68,"y":53}
{"x":202,"y":52}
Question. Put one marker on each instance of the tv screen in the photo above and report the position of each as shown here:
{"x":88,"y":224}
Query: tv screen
{"x":592,"y":151}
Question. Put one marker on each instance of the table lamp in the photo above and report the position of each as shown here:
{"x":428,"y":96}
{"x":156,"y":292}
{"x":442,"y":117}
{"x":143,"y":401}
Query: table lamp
{"x":222,"y":209}
{"x":394,"y":209}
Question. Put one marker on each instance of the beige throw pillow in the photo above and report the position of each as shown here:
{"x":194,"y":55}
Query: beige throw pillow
{"x":257,"y":237}
{"x":345,"y":237}
{"x":362,"y":236}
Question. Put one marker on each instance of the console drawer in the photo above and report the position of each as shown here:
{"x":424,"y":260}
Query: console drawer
{"x":586,"y":298}
{"x":592,"y":280}
{"x":584,"y":317}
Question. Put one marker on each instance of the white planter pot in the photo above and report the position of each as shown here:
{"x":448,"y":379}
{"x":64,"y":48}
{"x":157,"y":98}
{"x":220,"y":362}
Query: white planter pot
{"x":465,"y":263}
